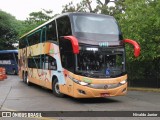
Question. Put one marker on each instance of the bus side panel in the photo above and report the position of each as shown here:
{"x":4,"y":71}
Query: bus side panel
{"x":44,"y":77}
{"x":34,"y":75}
{"x":41,"y":48}
{"x":59,"y":73}
{"x":68,"y":88}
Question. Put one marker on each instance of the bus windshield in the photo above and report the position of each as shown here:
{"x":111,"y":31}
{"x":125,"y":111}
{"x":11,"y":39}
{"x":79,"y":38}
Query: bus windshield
{"x":93,"y":62}
{"x":9,"y":60}
{"x":94,"y":27}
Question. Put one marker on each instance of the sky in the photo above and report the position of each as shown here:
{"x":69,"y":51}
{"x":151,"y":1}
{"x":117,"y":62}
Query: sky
{"x":21,"y":8}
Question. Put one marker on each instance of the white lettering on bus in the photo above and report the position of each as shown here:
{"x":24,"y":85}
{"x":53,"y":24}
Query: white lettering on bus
{"x":5,"y":62}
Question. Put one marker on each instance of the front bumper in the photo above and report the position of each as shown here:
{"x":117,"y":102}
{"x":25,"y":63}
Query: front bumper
{"x":87,"y":92}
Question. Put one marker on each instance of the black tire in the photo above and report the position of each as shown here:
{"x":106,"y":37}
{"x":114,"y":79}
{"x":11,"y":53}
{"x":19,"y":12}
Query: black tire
{"x":14,"y":72}
{"x":23,"y":77}
{"x":55,"y":88}
{"x":27,"y":80}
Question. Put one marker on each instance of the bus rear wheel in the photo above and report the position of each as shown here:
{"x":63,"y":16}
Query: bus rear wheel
{"x":27,"y":80}
{"x":55,"y":88}
{"x":14,"y":72}
{"x":23,"y":77}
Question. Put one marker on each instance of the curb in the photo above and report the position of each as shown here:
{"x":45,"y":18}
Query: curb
{"x":144,"y":89}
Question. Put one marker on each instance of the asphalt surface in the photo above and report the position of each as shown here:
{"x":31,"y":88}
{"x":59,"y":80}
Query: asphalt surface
{"x":17,"y":96}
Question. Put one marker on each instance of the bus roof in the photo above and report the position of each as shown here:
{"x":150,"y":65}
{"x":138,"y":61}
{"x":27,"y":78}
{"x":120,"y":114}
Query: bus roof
{"x":61,"y":15}
{"x":8,"y":51}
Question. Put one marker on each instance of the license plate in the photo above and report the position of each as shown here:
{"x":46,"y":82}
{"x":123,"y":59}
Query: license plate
{"x":105,"y":94}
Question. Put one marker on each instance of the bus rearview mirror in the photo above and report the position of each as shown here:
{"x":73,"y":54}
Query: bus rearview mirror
{"x":136,"y":46}
{"x":74,"y":43}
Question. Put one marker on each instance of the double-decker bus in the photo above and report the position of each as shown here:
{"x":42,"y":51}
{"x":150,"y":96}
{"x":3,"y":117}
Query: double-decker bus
{"x":77,"y":54}
{"x":9,"y":60}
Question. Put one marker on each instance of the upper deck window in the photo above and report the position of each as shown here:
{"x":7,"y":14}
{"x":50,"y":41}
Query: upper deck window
{"x":95,"y":27}
{"x":64,"y":26}
{"x":94,"y":24}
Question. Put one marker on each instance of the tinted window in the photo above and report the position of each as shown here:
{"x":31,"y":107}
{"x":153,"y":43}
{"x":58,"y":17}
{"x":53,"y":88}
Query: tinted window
{"x":22,"y":43}
{"x":16,"y":57}
{"x":42,"y":62}
{"x":34,"y":62}
{"x":92,"y":29}
{"x":64,"y":26}
{"x":51,"y":31}
{"x":67,"y":56}
{"x":48,"y":62}
{"x":95,"y":24}
{"x":43,"y":34}
{"x":6,"y":56}
{"x":34,"y":38}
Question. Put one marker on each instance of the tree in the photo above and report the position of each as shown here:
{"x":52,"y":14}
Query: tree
{"x":41,"y":16}
{"x":141,"y":22}
{"x":101,"y":7}
{"x":9,"y":27}
{"x":35,"y":19}
{"x":80,"y":7}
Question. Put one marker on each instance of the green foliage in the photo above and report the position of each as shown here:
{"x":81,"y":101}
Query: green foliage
{"x":41,"y":16}
{"x":141,"y":22}
{"x":80,"y":7}
{"x":101,"y":7}
{"x":9,"y":28}
{"x":35,"y":19}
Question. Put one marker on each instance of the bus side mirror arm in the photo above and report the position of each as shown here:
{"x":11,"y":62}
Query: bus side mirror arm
{"x":74,"y":43}
{"x":136,"y":46}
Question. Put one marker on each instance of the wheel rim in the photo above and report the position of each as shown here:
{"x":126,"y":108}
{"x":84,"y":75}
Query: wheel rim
{"x":57,"y":88}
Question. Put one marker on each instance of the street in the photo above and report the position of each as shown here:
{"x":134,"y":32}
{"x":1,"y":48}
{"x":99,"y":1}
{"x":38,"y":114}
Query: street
{"x":17,"y":96}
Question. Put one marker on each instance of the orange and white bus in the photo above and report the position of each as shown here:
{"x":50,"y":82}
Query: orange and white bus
{"x":77,"y":54}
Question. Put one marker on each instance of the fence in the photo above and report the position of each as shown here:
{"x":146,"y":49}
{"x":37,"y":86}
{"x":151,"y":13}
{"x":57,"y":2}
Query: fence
{"x":144,"y":73}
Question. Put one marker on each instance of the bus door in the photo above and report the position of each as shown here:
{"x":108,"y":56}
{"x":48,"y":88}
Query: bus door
{"x":68,"y":53}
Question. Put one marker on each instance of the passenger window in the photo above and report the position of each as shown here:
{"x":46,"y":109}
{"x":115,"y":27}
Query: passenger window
{"x":64,"y":26}
{"x":42,"y":62}
{"x":34,"y":38}
{"x":22,"y":43}
{"x":43,"y":34}
{"x":67,"y":56}
{"x":34,"y":62}
{"x":51,"y":31}
{"x":52,"y":63}
{"x":49,"y":63}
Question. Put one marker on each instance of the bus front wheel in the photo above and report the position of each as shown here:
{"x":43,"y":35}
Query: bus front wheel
{"x":23,"y":77}
{"x":55,"y":88}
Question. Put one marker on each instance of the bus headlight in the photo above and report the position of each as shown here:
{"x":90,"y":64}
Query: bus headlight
{"x":123,"y":82}
{"x":79,"y":82}
{"x":83,"y":83}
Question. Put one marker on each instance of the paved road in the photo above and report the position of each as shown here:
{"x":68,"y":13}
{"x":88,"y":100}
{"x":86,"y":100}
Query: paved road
{"x":17,"y":96}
